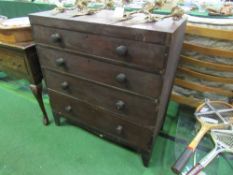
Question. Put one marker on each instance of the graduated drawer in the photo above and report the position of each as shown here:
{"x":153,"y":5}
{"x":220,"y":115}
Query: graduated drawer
{"x":144,"y":83}
{"x":105,"y":123}
{"x":146,"y":56}
{"x":131,"y":107}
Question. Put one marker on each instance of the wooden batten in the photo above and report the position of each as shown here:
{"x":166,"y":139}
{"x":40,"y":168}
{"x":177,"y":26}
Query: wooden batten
{"x":210,"y":33}
{"x":189,"y":101}
{"x":206,"y":64}
{"x":207,"y":50}
{"x":200,"y":88}
{"x":205,"y":76}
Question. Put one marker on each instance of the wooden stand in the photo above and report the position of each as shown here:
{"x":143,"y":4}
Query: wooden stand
{"x":20,"y":60}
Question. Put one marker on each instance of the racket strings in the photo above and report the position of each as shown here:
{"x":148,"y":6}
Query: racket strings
{"x":216,"y":113}
{"x":225,"y":139}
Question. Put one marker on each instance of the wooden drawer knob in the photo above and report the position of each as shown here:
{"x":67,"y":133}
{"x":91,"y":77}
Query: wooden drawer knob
{"x":121,"y":78}
{"x":122,"y":50}
{"x":119,"y":129}
{"x":56,"y":37}
{"x":120,"y":105}
{"x":60,"y":62}
{"x":68,"y":108}
{"x":65,"y":85}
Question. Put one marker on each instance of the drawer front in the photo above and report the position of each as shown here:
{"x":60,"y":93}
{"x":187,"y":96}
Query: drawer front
{"x":107,"y":124}
{"x":147,"y":56}
{"x":12,"y":60}
{"x":147,"y":84}
{"x":131,"y":107}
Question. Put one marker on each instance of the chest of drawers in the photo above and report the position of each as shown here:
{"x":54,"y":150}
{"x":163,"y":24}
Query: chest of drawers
{"x":112,"y":78}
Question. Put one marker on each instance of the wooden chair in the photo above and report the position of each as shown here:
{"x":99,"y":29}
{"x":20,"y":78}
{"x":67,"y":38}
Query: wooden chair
{"x":228,"y":54}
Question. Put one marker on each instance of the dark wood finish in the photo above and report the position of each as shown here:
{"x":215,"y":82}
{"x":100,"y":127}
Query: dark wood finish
{"x":104,"y":24}
{"x":56,"y":119}
{"x":146,"y":156}
{"x":37,"y":92}
{"x":171,"y":67}
{"x":143,"y":55}
{"x":106,"y":123}
{"x":134,"y":108}
{"x":112,"y":78}
{"x":100,"y":71}
{"x":20,"y":60}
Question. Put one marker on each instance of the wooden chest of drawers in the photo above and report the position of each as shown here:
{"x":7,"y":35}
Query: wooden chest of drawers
{"x":112,"y":78}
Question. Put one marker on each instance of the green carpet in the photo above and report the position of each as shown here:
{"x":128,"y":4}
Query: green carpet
{"x":29,"y":148}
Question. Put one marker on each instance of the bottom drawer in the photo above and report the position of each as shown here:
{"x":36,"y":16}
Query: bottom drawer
{"x":101,"y":122}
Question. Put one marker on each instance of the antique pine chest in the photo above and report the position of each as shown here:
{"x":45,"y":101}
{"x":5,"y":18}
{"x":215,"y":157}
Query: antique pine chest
{"x":110,"y":77}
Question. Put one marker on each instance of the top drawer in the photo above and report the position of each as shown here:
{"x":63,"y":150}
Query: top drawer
{"x":146,"y":56}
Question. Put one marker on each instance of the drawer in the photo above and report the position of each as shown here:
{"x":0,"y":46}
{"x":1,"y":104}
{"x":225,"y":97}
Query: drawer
{"x":105,"y":123}
{"x":146,"y":56}
{"x":131,"y":107}
{"x":144,"y":83}
{"x":12,"y":60}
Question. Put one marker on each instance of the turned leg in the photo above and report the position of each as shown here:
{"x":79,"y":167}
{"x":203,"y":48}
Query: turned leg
{"x":146,"y":156}
{"x":37,"y":92}
{"x":56,"y":119}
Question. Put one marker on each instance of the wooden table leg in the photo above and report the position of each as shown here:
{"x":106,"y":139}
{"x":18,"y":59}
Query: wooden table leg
{"x":56,"y":119}
{"x":37,"y":92}
{"x":146,"y":156}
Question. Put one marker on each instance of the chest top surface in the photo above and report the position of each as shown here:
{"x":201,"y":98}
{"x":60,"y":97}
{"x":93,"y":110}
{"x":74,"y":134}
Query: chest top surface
{"x":106,"y":18}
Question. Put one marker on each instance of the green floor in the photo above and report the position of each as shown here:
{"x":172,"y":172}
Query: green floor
{"x":29,"y":148}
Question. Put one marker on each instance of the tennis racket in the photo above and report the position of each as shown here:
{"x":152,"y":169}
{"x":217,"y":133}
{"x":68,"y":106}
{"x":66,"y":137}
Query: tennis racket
{"x":223,"y":140}
{"x":211,"y":115}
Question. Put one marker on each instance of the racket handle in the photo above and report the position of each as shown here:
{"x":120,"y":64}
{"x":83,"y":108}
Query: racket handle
{"x":182,"y":161}
{"x":195,"y":170}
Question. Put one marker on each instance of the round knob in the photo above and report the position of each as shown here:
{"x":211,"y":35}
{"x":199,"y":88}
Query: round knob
{"x":64,"y":85}
{"x":121,"y":78}
{"x":121,"y":50}
{"x":119,"y":129}
{"x":56,"y":37}
{"x":68,"y":108}
{"x":60,"y":62}
{"x":120,"y":105}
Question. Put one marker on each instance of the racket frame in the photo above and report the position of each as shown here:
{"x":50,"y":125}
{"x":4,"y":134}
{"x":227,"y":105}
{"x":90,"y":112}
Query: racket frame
{"x":219,"y":148}
{"x":205,"y":127}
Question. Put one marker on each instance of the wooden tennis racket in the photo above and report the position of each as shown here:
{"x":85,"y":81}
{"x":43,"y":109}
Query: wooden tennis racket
{"x":223,"y":140}
{"x":211,"y":115}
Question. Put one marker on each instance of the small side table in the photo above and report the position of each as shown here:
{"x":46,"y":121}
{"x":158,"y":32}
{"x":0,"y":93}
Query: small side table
{"x":20,"y":60}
